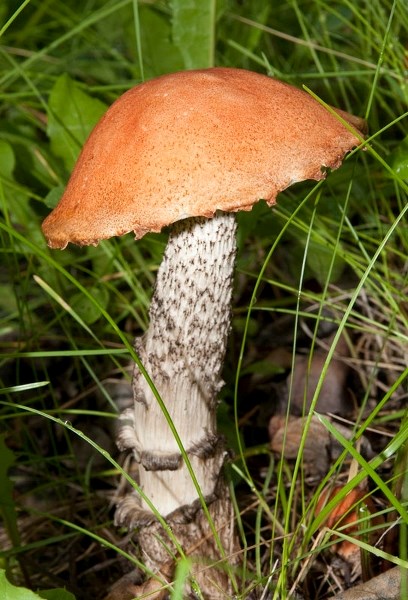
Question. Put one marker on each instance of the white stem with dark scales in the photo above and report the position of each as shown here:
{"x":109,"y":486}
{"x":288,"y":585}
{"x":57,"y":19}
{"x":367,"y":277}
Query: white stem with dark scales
{"x":183,"y":351}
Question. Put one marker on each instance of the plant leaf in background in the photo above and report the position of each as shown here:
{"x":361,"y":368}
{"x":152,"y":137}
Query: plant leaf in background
{"x":7,"y":160}
{"x":159,"y":52}
{"x":8,"y":591}
{"x":72,"y":114}
{"x":320,"y":262}
{"x":7,"y":506}
{"x":19,"y":210}
{"x":85,"y":308}
{"x":399,"y":159}
{"x":54,"y":195}
{"x":194,"y":31}
{"x":57,"y":594}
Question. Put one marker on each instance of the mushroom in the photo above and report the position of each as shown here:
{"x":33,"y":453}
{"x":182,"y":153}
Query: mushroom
{"x":189,"y":150}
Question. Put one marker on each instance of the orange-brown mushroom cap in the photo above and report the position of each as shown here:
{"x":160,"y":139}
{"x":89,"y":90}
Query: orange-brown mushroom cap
{"x":189,"y":144}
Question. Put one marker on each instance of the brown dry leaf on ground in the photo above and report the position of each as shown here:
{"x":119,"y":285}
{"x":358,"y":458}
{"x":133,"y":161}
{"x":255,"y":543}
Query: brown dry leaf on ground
{"x":154,"y":589}
{"x":321,"y":449}
{"x":345,"y":517}
{"x":386,"y":586}
{"x":304,"y":379}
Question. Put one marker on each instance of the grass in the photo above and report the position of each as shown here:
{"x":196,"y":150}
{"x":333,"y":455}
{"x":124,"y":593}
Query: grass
{"x":332,"y":255}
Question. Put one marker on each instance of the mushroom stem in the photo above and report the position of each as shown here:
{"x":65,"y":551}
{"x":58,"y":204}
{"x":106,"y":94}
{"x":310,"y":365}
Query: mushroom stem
{"x":183,"y":351}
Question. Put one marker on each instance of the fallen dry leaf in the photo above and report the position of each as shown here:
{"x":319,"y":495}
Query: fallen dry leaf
{"x":154,"y":589}
{"x":386,"y":586}
{"x":321,"y":449}
{"x":286,"y":433}
{"x":302,"y":382}
{"x":345,"y":516}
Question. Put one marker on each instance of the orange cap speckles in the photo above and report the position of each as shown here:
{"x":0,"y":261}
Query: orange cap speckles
{"x":189,"y":144}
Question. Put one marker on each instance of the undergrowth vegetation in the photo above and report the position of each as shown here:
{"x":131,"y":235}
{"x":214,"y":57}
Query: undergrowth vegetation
{"x":321,"y":290}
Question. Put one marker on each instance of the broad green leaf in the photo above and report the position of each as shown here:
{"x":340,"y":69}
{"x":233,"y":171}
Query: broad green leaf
{"x":8,"y":302}
{"x":72,"y":114}
{"x":53,"y":197}
{"x":8,"y":591}
{"x":160,"y":53}
{"x":7,"y":506}
{"x":57,"y":594}
{"x":262,"y":367}
{"x":319,"y":261}
{"x":194,"y":31}
{"x":88,"y":312}
{"x":17,"y":201}
{"x":7,"y":160}
{"x":399,"y":159}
